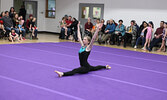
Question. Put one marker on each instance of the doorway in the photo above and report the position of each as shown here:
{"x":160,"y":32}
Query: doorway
{"x":30,"y":6}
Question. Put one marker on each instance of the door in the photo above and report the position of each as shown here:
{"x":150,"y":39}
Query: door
{"x":93,"y":11}
{"x":31,"y":8}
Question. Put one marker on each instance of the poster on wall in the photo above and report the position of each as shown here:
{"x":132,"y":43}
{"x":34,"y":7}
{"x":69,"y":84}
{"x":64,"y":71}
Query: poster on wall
{"x":96,"y":12}
{"x":29,"y":9}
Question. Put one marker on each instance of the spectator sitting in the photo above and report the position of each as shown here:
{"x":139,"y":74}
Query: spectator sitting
{"x":22,"y":20}
{"x":21,"y":30}
{"x":1,"y":22}
{"x":33,"y":28}
{"x":12,"y":12}
{"x":88,"y":27}
{"x":102,"y":29}
{"x":2,"y":15}
{"x":157,"y":36}
{"x":108,"y":22}
{"x":63,"y":26}
{"x":7,"y":21}
{"x":109,"y":30}
{"x":69,"y":22}
{"x":142,"y":35}
{"x":98,"y":24}
{"x":119,"y":31}
{"x":13,"y":36}
{"x":130,"y":34}
{"x":164,"y":38}
{"x":28,"y":22}
{"x":137,"y":28}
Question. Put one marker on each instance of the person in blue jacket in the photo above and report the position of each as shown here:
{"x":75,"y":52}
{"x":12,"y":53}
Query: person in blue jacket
{"x":109,"y":32}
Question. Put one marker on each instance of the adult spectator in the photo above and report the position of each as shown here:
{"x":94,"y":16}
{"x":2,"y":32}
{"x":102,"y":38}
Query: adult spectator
{"x":119,"y":32}
{"x":142,"y":36}
{"x":130,"y":34}
{"x":157,"y":36}
{"x":7,"y":21}
{"x":22,"y":12}
{"x":12,"y":12}
{"x":109,"y":31}
{"x":88,"y":27}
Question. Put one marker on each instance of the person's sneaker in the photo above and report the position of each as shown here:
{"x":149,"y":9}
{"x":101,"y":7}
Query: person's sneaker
{"x":135,"y":47}
{"x":36,"y":38}
{"x":143,"y":48}
{"x":24,"y":38}
{"x":149,"y":49}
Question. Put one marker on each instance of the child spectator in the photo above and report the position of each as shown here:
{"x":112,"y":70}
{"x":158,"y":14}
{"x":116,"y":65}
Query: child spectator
{"x":148,"y":35}
{"x":64,"y":25}
{"x":13,"y":36}
{"x":21,"y":30}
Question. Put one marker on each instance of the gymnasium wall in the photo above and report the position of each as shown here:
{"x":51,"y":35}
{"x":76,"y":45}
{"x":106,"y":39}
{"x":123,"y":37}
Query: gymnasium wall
{"x":5,"y":4}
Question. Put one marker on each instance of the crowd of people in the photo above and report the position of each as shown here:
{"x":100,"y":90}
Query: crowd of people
{"x":14,"y":26}
{"x":117,"y":33}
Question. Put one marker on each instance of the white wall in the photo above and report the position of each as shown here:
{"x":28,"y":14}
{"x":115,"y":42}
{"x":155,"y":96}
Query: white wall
{"x":0,"y":5}
{"x":5,"y":5}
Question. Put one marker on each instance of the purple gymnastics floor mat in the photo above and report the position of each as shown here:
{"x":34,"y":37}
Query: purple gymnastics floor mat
{"x":27,"y":73}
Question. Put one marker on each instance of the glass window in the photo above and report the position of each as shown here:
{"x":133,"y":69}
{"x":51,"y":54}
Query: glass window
{"x":85,"y":12}
{"x":96,"y":12}
{"x":50,"y":8}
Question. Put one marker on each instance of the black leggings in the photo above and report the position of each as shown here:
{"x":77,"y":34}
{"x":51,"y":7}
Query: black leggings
{"x":83,"y":70}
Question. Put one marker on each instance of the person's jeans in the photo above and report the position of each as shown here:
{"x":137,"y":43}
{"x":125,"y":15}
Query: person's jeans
{"x":23,"y":31}
{"x":139,"y":39}
{"x":75,"y":35}
{"x":8,"y":30}
{"x":36,"y":33}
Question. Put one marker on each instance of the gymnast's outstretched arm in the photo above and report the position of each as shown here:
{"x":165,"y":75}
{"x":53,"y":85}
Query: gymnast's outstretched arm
{"x":93,"y":39}
{"x":79,"y":35}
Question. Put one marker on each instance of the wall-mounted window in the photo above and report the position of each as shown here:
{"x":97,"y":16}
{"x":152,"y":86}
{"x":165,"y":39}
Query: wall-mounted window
{"x":50,"y":8}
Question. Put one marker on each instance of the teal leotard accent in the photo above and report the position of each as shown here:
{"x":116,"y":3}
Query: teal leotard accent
{"x":82,"y":49}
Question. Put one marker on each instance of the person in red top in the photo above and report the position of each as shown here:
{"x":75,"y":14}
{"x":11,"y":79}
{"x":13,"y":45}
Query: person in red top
{"x":157,"y":36}
{"x":2,"y":29}
{"x":88,"y":27}
{"x":2,"y":15}
{"x":28,"y":21}
{"x":68,"y":23}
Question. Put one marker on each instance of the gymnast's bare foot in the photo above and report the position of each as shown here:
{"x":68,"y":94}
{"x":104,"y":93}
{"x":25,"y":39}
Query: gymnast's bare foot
{"x":60,"y":74}
{"x":108,"y":67}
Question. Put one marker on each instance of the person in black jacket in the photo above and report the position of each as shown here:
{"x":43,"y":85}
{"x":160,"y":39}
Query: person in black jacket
{"x":22,"y":12}
{"x":12,"y":12}
{"x":142,"y":36}
{"x":74,"y":28}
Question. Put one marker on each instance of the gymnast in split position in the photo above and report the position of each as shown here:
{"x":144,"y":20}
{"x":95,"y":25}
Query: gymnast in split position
{"x":86,"y":47}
